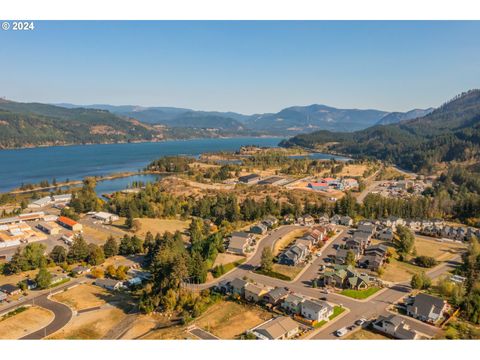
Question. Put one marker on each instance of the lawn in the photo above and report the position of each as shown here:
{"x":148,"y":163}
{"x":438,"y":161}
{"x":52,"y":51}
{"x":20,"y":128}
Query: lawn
{"x":24,"y":322}
{"x":364,"y":334}
{"x":360,"y":294}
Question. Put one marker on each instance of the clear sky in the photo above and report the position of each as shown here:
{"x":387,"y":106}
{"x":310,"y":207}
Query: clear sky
{"x":248,"y":67}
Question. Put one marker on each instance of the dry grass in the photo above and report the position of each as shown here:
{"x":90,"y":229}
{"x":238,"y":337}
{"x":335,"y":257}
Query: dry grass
{"x":353,"y":170}
{"x":161,"y":225}
{"x":228,"y":320}
{"x":142,"y":326}
{"x":25,"y":323}
{"x":171,"y":333}
{"x":224,"y":258}
{"x":286,"y":240}
{"x":441,"y":251}
{"x":95,"y":235}
{"x":82,"y":297}
{"x":91,"y":325}
{"x":363,"y":334}
{"x":290,"y":271}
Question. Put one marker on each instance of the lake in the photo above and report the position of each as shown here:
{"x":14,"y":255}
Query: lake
{"x":75,"y":162}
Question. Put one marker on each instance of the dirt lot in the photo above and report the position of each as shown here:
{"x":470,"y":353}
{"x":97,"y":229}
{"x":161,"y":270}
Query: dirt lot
{"x":91,"y":325}
{"x":82,"y":297}
{"x":290,"y":271}
{"x":284,"y":241}
{"x":228,"y":320}
{"x":364,"y":334}
{"x":353,"y":170}
{"x":161,"y":225}
{"x":224,"y":258}
{"x":95,"y":235}
{"x":24,"y":323}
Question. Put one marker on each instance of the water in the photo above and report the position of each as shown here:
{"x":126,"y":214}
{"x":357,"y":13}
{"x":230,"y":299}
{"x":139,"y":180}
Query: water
{"x":75,"y":162}
{"x":113,"y":185}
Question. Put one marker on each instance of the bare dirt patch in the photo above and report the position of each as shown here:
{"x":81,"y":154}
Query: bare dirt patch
{"x":24,"y":323}
{"x":82,"y":297}
{"x":224,"y":258}
{"x":161,"y":225}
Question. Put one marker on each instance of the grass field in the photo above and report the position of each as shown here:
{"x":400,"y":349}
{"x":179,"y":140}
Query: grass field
{"x":290,"y":271}
{"x":161,"y":225}
{"x":360,"y":294}
{"x":286,"y":240}
{"x":24,"y":323}
{"x":353,"y":170}
{"x":364,"y":334}
{"x":82,"y":297}
{"x":224,"y":258}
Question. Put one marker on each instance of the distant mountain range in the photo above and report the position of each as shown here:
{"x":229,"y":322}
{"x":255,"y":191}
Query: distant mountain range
{"x":395,"y":117}
{"x":289,"y":121}
{"x":37,"y":124}
{"x":448,"y":133}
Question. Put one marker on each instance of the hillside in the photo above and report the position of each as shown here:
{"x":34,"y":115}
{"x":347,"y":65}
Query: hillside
{"x":449,"y":133}
{"x":395,"y":117}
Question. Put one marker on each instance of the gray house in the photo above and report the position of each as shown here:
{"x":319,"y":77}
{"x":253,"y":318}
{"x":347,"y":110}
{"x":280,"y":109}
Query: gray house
{"x":427,"y":308}
{"x":292,"y":303}
{"x":395,"y":326}
{"x":316,"y":310}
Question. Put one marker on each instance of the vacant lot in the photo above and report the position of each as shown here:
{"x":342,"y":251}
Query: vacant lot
{"x":398,"y":271}
{"x":91,"y":325}
{"x":95,"y":235}
{"x":82,"y":297}
{"x":286,"y":240}
{"x":353,"y":170}
{"x":364,"y":334}
{"x":224,"y":258}
{"x":228,"y":320}
{"x":290,"y":271}
{"x":161,"y":225}
{"x":24,"y":323}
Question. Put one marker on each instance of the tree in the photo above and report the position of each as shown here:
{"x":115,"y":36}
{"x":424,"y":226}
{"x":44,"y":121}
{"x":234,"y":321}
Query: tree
{"x":43,"y":278}
{"x":110,"y":248}
{"x":95,"y":255}
{"x":405,"y":242}
{"x":97,"y":273}
{"x":350,"y":258}
{"x":58,"y":254}
{"x":78,"y":251}
{"x":420,"y":281}
{"x":267,"y":259}
{"x":136,"y":225}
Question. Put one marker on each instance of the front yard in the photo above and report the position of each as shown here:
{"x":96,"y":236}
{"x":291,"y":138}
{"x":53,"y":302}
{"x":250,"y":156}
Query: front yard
{"x":360,"y":294}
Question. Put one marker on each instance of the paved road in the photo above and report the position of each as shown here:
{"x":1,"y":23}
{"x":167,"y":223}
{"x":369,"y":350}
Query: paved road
{"x":202,"y":334}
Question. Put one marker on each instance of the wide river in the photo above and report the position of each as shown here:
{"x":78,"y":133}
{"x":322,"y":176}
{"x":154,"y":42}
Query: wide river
{"x":76,"y":162}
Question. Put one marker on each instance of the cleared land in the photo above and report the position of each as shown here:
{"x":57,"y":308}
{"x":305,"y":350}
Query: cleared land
{"x":290,"y":271}
{"x":353,"y":170}
{"x":161,"y":225}
{"x":95,"y":235}
{"x":224,"y":258}
{"x":82,"y":297}
{"x":286,"y":240}
{"x":364,"y":334}
{"x":24,"y":323}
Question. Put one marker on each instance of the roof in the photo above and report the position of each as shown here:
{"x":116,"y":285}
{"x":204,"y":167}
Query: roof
{"x":67,"y":221}
{"x":276,"y":328}
{"x":107,"y":282}
{"x":315,"y":306}
{"x":8,"y":288}
{"x":238,"y":283}
{"x":248,"y":177}
{"x":294,"y":299}
{"x":271,"y":180}
{"x":278,"y":293}
{"x":318,"y":184}
{"x":237,"y":242}
{"x":424,"y":304}
{"x":255,"y":289}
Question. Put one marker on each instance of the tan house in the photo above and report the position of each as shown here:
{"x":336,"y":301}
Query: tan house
{"x":255,"y":293}
{"x":279,"y":328}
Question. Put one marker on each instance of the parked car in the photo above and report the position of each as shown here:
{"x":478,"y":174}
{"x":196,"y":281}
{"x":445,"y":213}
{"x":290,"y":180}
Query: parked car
{"x":341,"y":332}
{"x":322,"y":267}
{"x":360,"y":322}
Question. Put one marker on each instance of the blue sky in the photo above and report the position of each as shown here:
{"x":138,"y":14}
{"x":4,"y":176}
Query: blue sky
{"x":248,"y":67}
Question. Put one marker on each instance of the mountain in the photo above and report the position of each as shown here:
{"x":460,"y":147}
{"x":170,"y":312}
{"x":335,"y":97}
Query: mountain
{"x":298,"y":119}
{"x":35,"y":124}
{"x":395,"y":117}
{"x":449,"y":133}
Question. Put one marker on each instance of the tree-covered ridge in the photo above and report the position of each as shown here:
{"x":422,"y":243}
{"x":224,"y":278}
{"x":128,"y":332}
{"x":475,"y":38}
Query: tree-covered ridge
{"x":449,"y":133}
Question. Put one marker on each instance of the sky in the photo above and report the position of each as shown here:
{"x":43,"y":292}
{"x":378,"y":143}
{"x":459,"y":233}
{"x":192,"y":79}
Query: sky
{"x":242,"y":66}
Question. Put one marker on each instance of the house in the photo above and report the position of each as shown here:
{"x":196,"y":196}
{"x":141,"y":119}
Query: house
{"x":249,"y":179}
{"x":30,"y":284}
{"x":10,"y":289}
{"x":239,"y":243}
{"x":323,"y":219}
{"x":105,"y":217}
{"x":293,"y":255}
{"x":366,"y":228}
{"x":68,"y":238}
{"x":346,"y":221}
{"x":270,"y":222}
{"x":318,"y":186}
{"x":316,"y":310}
{"x":58,"y":278}
{"x":109,"y":284}
{"x":259,"y":229}
{"x":345,"y":276}
{"x":385,"y":234}
{"x":276,"y":295}
{"x":341,"y":255}
{"x":363,"y":238}
{"x":306,"y":220}
{"x":3,"y":296}
{"x":395,"y":326}
{"x":335,"y":219}
{"x":292,"y":303}
{"x":427,"y":308}
{"x":135,"y":281}
{"x":279,"y":328}
{"x":69,"y":223}
{"x":372,"y":262}
{"x":306,"y":241}
{"x":47,"y":200}
{"x":237,"y":286}
{"x":80,"y":270}
{"x":254,"y":292}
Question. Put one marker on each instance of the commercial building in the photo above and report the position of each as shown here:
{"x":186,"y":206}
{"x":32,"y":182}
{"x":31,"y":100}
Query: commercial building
{"x":69,"y":223}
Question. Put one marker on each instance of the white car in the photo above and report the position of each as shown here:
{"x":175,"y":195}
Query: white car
{"x":341,"y":332}
{"x":360,"y":322}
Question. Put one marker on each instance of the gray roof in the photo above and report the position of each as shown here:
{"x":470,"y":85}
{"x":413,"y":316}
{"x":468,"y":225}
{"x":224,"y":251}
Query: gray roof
{"x":238,"y":283}
{"x":278,"y":293}
{"x":294,"y":299}
{"x":425,"y":303}
{"x":314,"y":305}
